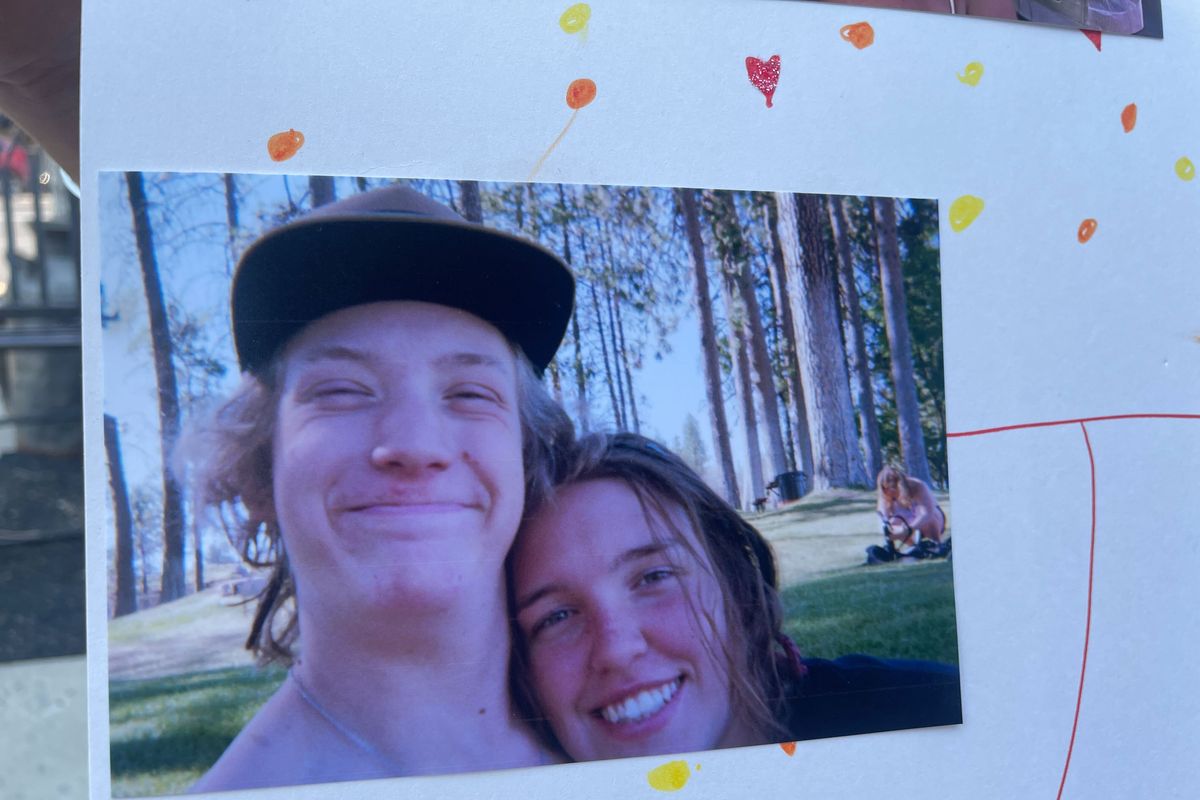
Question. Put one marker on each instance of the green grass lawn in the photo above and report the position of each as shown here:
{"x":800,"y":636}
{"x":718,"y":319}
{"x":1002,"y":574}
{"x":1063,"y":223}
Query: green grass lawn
{"x":165,"y":732}
{"x":889,"y":611}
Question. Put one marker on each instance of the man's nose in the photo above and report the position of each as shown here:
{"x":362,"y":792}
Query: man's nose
{"x":617,"y":640}
{"x":411,"y":434}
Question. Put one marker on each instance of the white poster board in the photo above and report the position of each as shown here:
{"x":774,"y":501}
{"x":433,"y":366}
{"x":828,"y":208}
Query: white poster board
{"x":1074,"y":584}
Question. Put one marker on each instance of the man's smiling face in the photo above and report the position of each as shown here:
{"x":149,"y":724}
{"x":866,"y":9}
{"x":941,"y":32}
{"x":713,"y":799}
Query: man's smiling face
{"x":397,"y":468}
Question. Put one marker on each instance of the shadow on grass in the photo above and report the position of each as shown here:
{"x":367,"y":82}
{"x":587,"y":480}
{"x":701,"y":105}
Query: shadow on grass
{"x":186,"y":749}
{"x":166,"y":732}
{"x":136,"y":690}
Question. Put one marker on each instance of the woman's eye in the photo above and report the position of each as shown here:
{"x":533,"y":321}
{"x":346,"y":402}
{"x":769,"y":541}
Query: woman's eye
{"x":657,"y":575}
{"x":550,"y":620}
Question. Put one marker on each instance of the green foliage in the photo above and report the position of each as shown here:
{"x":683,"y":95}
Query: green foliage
{"x":919,"y":249}
{"x":889,"y":611}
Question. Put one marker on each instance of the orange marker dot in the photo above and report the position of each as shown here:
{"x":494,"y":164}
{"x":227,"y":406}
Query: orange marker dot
{"x":581,"y":92}
{"x":1086,"y":229}
{"x":283,"y":146}
{"x":1129,"y":117}
{"x":788,"y":747}
{"x":859,"y":34}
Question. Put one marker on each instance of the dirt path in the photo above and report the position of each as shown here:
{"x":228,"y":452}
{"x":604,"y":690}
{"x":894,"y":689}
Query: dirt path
{"x":202,"y":631}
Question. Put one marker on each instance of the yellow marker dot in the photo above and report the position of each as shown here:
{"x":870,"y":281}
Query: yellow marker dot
{"x":964,"y":210}
{"x":1185,"y":169}
{"x":575,"y":18}
{"x":971,"y":73}
{"x":670,"y":777}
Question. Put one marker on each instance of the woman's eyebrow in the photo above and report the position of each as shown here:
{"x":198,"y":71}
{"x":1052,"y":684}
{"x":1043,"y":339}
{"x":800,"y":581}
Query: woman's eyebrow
{"x":627,"y":557}
{"x":638,"y":553}
{"x":537,"y":595}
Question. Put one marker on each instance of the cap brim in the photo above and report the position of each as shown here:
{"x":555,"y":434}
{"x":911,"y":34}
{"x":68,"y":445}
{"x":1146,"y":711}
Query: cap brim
{"x":303,"y":271}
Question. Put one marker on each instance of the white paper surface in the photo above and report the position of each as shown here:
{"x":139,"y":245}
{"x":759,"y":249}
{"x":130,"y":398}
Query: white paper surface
{"x":1038,"y":326}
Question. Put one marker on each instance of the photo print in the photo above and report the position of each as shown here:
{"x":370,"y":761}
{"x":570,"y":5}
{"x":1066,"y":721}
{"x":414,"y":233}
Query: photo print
{"x":1139,"y":17}
{"x":415,"y":477}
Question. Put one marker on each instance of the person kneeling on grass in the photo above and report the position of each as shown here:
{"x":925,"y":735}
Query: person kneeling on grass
{"x":914,"y":525}
{"x":648,"y":621}
{"x":377,"y":457}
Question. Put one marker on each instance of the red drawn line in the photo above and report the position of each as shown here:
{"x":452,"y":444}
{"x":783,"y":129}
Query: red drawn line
{"x":1087,"y":631}
{"x":1079,"y":421}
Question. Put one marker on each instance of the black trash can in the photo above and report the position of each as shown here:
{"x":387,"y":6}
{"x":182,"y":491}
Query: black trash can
{"x":792,"y":485}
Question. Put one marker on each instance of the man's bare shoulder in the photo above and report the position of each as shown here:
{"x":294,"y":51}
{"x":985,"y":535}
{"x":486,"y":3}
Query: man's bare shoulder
{"x":285,"y":744}
{"x":265,"y":753}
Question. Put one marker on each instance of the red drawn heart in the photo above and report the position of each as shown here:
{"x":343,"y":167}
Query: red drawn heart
{"x":764,"y":75}
{"x":1093,"y":35}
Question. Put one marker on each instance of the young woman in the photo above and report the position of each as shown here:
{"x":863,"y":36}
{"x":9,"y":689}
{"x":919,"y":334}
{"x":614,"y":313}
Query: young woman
{"x":648,"y":621}
{"x":908,"y":509}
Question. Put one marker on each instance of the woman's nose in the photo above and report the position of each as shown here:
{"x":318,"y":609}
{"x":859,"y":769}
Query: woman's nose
{"x":617,"y":640}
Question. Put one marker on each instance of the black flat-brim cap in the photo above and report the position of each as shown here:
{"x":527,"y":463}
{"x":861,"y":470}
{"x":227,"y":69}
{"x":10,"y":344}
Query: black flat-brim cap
{"x":396,"y":244}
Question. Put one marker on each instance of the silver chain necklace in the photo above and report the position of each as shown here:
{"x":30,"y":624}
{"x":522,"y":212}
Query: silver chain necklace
{"x":352,"y":737}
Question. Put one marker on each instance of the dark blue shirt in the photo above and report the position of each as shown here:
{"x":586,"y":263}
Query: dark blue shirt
{"x":860,"y":694}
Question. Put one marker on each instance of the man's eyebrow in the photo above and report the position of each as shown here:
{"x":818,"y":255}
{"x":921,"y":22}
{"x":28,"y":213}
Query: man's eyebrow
{"x":337,"y":352}
{"x":469,"y":359}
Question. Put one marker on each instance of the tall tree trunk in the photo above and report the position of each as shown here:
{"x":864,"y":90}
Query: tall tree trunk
{"x":231,"y":219}
{"x":609,"y":375}
{"x":123,"y":517}
{"x":743,"y":306}
{"x":581,"y":395}
{"x":472,"y":204}
{"x":686,"y":199}
{"x":583,"y":406}
{"x":895,"y":315}
{"x":745,"y":386}
{"x":619,"y":367}
{"x":606,"y":272}
{"x":783,"y":302}
{"x":140,"y":544}
{"x":555,"y":382}
{"x":633,"y":412}
{"x":321,"y":188}
{"x":173,"y":584}
{"x":198,"y":551}
{"x":836,"y":457}
{"x":861,"y":390}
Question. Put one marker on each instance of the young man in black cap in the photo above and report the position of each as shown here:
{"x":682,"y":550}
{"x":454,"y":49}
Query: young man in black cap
{"x":378,"y":456}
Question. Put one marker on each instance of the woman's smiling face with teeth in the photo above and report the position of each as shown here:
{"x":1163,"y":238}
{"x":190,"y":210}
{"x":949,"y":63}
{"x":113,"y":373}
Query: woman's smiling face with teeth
{"x":624,"y":625}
